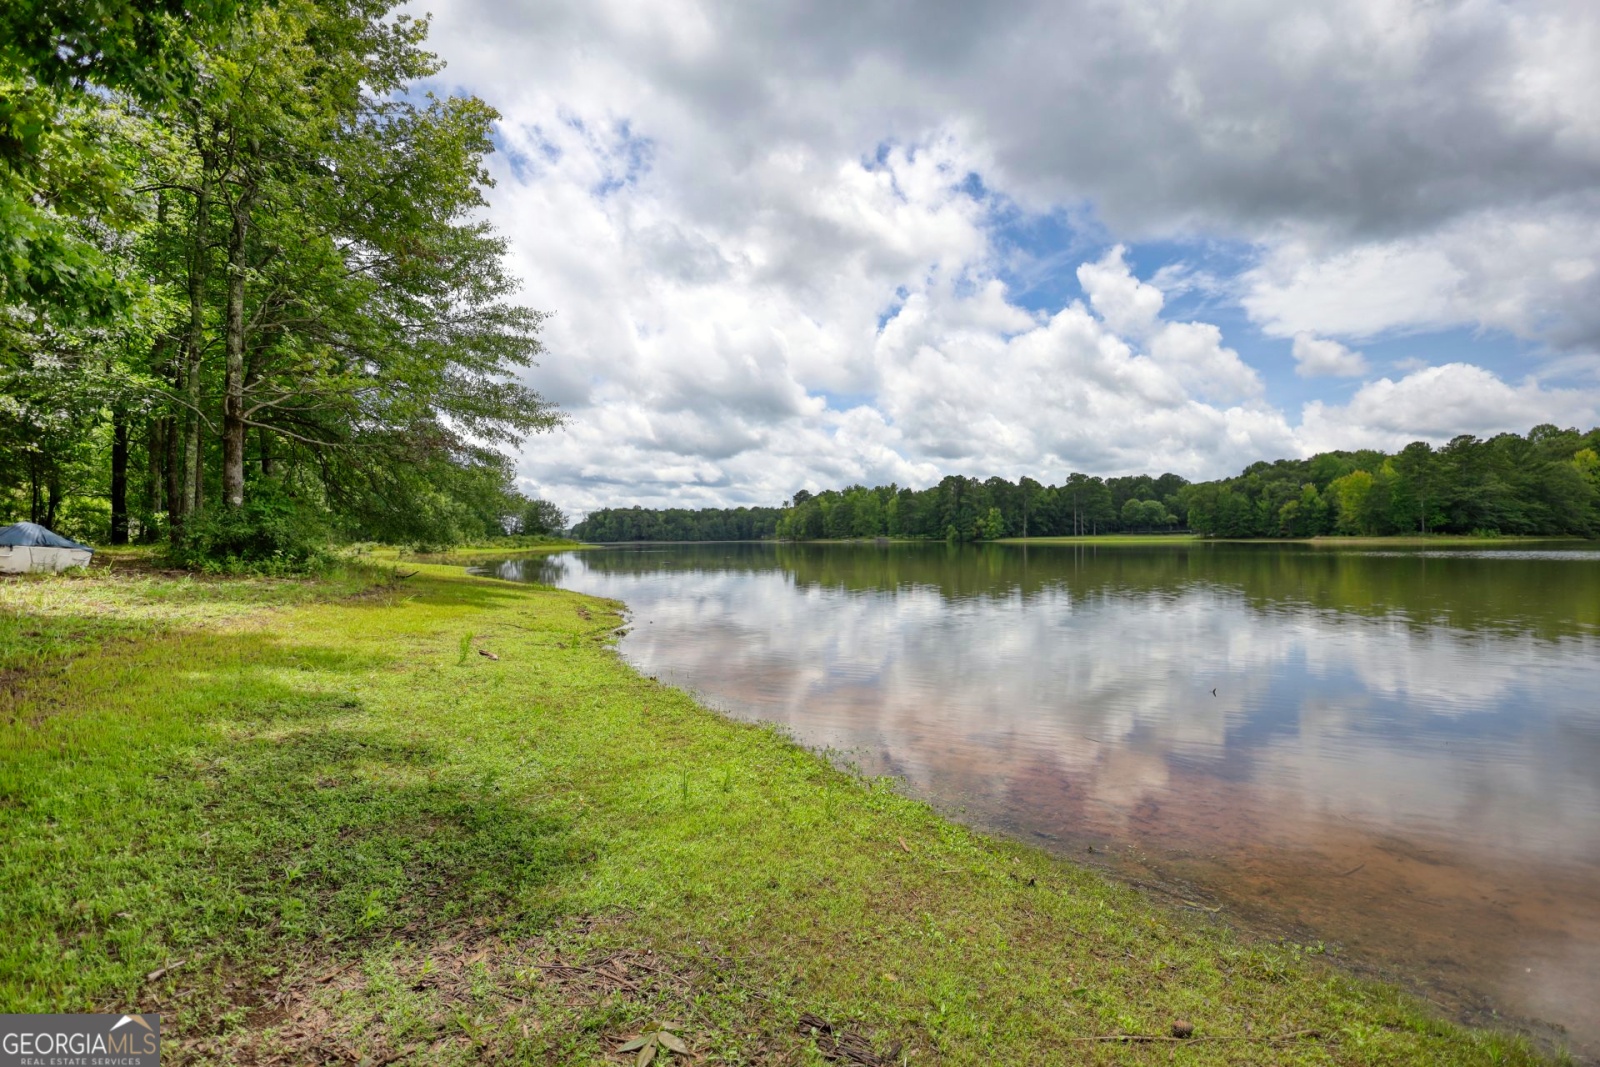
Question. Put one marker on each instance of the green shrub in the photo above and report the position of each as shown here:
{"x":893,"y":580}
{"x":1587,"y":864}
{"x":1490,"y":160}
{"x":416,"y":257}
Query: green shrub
{"x":270,"y":535}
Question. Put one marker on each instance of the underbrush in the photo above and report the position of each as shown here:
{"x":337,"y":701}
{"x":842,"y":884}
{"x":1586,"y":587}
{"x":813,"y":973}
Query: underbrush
{"x":269,"y":536}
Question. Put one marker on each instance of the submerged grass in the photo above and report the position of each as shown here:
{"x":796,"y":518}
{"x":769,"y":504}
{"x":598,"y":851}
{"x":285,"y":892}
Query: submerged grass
{"x":307,"y":825}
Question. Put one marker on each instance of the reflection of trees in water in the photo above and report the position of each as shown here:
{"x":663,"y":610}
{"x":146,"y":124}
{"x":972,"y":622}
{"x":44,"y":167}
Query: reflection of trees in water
{"x":539,"y":570}
{"x":1550,"y":598}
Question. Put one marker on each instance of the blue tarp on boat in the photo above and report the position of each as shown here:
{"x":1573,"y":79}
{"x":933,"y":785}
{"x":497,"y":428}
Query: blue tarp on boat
{"x":32,"y":535}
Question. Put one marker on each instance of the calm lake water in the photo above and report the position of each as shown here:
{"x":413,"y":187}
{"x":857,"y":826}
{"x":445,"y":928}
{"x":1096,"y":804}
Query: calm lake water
{"x":1396,"y":751}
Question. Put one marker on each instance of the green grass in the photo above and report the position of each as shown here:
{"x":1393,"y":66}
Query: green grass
{"x":314,"y":821}
{"x":506,"y":548}
{"x":45,"y":619}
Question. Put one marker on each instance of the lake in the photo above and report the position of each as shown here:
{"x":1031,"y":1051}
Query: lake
{"x":1391,"y":751}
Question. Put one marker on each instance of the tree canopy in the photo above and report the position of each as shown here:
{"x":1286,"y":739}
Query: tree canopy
{"x":1543,"y":483}
{"x":245,"y":256}
{"x":967,"y":509}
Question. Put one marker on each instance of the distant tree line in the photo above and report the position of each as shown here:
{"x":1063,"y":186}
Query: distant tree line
{"x":1546,"y":483}
{"x":679,"y":524}
{"x":967,"y":509}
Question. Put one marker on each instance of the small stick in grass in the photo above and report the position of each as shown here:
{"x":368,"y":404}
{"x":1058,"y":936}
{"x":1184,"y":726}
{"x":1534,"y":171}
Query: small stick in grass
{"x":336,"y":972}
{"x":159,"y":971}
{"x":1142,"y":1039}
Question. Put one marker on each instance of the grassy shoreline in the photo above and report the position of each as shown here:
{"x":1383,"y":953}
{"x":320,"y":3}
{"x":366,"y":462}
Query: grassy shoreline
{"x":315,"y":819}
{"x":464,"y":554}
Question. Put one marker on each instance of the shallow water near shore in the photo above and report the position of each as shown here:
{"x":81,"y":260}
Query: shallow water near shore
{"x":1392,"y":751}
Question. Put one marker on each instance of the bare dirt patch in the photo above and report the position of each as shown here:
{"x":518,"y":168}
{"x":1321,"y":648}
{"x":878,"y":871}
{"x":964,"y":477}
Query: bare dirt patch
{"x":472,"y":995}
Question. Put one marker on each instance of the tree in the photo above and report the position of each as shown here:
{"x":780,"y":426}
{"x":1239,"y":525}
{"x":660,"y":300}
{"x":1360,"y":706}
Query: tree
{"x":279,"y":274}
{"x":137,"y":46}
{"x":992,"y":526}
{"x":1145,"y":515}
{"x":542,"y":517}
{"x":1350,"y":494}
{"x":58,"y":62}
{"x":1587,"y":462}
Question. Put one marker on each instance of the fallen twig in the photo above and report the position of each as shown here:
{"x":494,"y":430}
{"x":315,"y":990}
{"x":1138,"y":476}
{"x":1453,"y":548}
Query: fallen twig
{"x":1142,"y":1039}
{"x":331,"y":975}
{"x":842,"y":1046}
{"x":168,"y":969}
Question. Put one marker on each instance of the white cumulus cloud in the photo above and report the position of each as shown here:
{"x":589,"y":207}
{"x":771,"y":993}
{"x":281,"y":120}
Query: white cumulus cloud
{"x":1436,"y":404}
{"x":771,"y":233}
{"x":1318,"y":357}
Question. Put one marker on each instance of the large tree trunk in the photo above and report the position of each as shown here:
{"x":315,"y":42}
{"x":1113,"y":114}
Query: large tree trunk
{"x":233,"y":424}
{"x":175,"y":472}
{"x":119,"y":476}
{"x":35,"y":496}
{"x":155,"y":443}
{"x":52,"y":488}
{"x":193,"y":348}
{"x":198,"y":501}
{"x":174,"y":469}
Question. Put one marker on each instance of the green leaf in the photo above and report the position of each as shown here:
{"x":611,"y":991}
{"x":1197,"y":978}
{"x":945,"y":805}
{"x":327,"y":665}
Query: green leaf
{"x":637,"y":1043}
{"x":673,"y":1042}
{"x":646,"y":1054}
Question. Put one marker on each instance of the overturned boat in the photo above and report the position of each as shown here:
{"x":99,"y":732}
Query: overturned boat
{"x":27,"y":546}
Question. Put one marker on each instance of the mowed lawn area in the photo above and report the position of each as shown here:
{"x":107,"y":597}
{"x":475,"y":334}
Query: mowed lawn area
{"x":437,"y":820}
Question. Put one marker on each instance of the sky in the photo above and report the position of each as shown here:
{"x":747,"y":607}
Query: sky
{"x":811,"y":243}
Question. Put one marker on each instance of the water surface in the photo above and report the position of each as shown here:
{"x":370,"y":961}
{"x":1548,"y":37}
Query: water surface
{"x":1394,"y":751}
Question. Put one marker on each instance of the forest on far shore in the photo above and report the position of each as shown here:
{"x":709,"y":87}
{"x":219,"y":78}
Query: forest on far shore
{"x":1546,"y":483}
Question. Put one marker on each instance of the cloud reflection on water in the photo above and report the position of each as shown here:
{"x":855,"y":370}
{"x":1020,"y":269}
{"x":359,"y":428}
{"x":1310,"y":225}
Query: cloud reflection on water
{"x":1429,"y":719}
